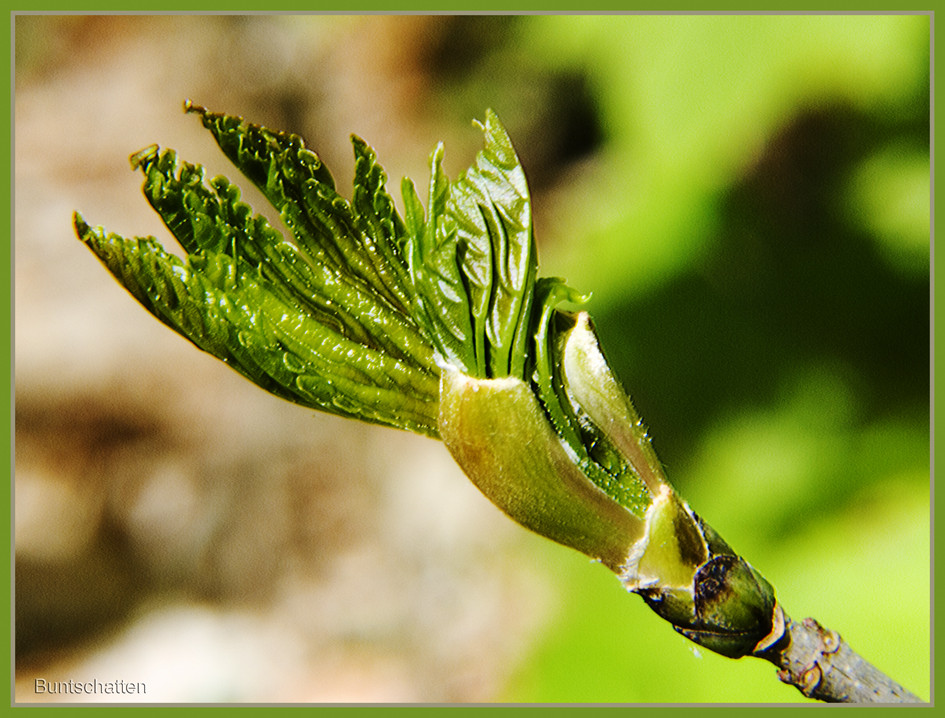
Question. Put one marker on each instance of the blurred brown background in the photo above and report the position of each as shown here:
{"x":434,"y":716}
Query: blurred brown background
{"x":174,"y":524}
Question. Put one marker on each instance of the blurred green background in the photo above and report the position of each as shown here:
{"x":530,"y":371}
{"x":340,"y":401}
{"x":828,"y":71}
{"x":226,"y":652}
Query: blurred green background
{"x":748,"y":199}
{"x":757,"y":239}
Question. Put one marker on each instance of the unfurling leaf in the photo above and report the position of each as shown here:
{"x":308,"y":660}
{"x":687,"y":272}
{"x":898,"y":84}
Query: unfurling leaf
{"x":435,"y":322}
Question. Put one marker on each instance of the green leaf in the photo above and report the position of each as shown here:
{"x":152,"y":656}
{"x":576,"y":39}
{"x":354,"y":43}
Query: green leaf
{"x":322,"y":222}
{"x":474,"y":261}
{"x":593,"y":450}
{"x":442,"y":300}
{"x":212,"y":219}
{"x":296,"y":328}
{"x":491,"y":208}
{"x":376,"y":217}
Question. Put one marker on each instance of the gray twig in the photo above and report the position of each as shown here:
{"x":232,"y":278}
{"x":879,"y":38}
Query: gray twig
{"x":821,"y":665}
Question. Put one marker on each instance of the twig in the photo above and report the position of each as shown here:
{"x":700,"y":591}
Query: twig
{"x":821,"y":665}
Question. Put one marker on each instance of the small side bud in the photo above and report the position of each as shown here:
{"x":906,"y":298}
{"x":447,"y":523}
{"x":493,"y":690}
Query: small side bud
{"x":728,"y":608}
